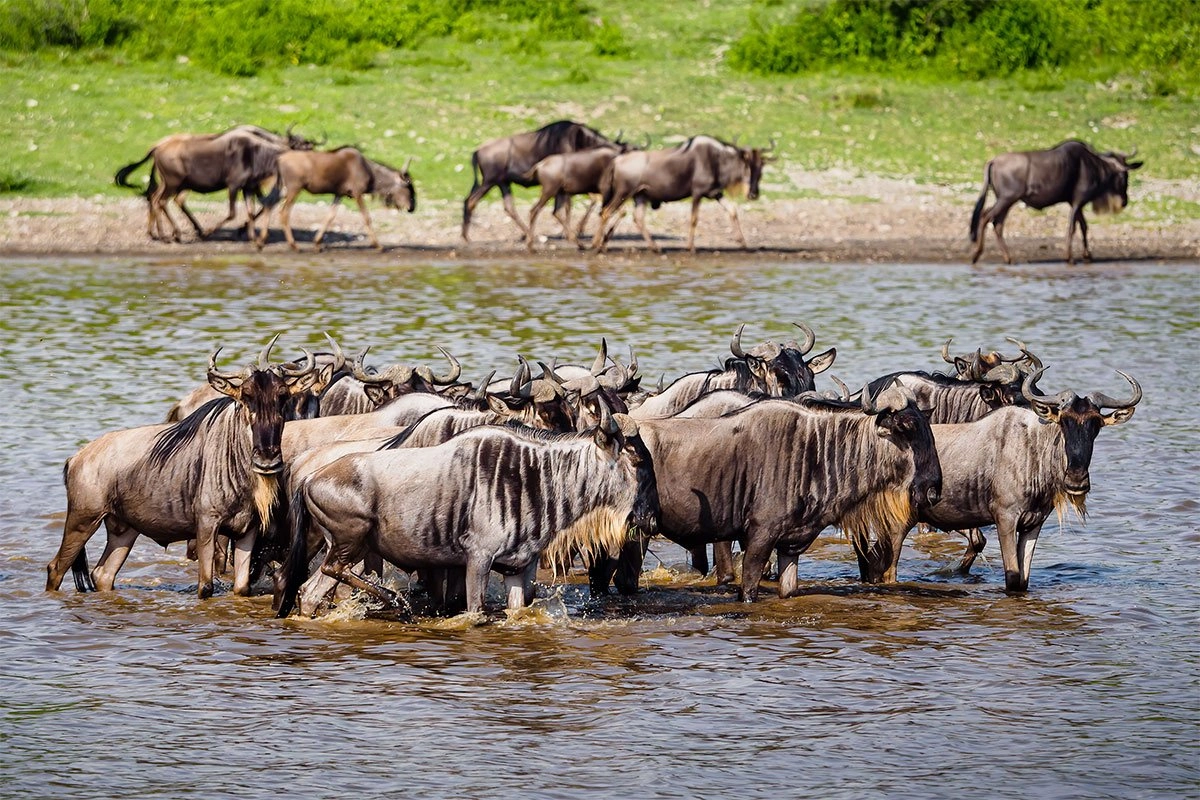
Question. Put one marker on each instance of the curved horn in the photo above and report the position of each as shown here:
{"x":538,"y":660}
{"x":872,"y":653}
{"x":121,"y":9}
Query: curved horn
{"x":601,"y":359}
{"x":1003,"y":374}
{"x":1028,"y":394}
{"x":1104,"y":401}
{"x":309,"y":367}
{"x":548,"y":374}
{"x":1034,"y":361}
{"x":229,"y":376}
{"x":735,"y":346}
{"x":633,"y":363}
{"x":842,"y":388}
{"x":520,"y":378}
{"x":618,"y":382}
{"x":387,"y":376}
{"x":455,"y":369}
{"x":404,"y":169}
{"x":810,"y":338}
{"x":770,"y":146}
{"x":339,"y":358}
{"x":264,"y":355}
{"x":607,"y":423}
{"x":481,"y":392}
{"x":868,"y":401}
{"x":946,"y":351}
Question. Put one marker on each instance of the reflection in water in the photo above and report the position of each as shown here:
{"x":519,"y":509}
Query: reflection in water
{"x":940,"y":686}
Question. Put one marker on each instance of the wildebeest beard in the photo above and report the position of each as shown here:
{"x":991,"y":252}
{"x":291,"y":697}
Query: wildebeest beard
{"x":598,"y":534}
{"x":1107,"y":203}
{"x":266,"y":497}
{"x":1064,"y":502}
{"x":878,"y":514}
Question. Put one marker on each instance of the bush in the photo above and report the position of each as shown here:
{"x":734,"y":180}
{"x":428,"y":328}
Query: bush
{"x":240,"y":37}
{"x":975,"y":38}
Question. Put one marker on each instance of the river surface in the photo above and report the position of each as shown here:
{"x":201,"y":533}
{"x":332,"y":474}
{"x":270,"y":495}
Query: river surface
{"x":938,"y":687}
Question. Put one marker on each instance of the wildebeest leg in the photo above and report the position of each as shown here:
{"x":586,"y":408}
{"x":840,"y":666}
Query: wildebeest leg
{"x":1006,"y":532}
{"x":187,"y":212}
{"x":78,"y":528}
{"x":333,"y":209}
{"x":205,"y":555}
{"x":639,"y":219}
{"x":732,"y":210}
{"x":579,"y":231}
{"x":478,"y":568}
{"x":1087,"y":251}
{"x":788,"y":572}
{"x":723,"y":562}
{"x":243,"y":548}
{"x":285,"y":218}
{"x":518,"y":589}
{"x":629,"y":564}
{"x":120,"y":540}
{"x":754,"y":561}
{"x":562,"y":212}
{"x":511,"y":209}
{"x":606,"y":230}
{"x":229,"y":214}
{"x":976,"y":541}
{"x":695,"y":217}
{"x":362,"y":207}
{"x":700,"y":559}
{"x":1026,"y":543}
{"x":477,"y":193}
{"x":343,"y":573}
{"x":543,"y":198}
{"x":999,"y":215}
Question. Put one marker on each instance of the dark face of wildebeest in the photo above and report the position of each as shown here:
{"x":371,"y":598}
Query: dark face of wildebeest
{"x":1080,"y":420}
{"x":908,"y":427}
{"x":267,"y":393}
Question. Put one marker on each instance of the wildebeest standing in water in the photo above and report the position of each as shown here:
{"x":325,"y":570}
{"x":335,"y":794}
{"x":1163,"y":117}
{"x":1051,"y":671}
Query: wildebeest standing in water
{"x":700,"y":167}
{"x":237,"y":160}
{"x":1071,"y":173}
{"x":503,"y":162}
{"x":489,"y":498}
{"x":216,"y":472}
{"x":1014,"y":466}
{"x":344,"y":172}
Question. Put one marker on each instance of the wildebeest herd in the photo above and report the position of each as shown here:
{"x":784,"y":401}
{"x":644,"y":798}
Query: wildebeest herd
{"x":566,"y":159}
{"x":313,"y":472}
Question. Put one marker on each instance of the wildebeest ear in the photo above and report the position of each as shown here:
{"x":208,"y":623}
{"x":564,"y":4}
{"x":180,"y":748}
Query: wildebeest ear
{"x":377,"y":393}
{"x":1118,"y":416}
{"x":991,"y":395}
{"x":495,"y":404}
{"x":225,"y":386}
{"x":1046,"y":411}
{"x":823,"y":361}
{"x":1134,"y":164}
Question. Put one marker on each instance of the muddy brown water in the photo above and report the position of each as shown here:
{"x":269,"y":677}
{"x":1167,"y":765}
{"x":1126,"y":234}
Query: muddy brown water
{"x":939,"y":686}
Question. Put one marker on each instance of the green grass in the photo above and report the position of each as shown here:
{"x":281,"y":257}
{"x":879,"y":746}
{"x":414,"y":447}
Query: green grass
{"x":76,"y":117}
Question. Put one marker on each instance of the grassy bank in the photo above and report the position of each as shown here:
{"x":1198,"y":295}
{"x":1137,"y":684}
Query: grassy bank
{"x":75,"y":116}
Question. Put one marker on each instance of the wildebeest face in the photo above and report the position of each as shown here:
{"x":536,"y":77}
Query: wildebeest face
{"x":402,"y":194}
{"x":267,"y":397}
{"x":1080,"y":421}
{"x":644,"y":515}
{"x":909,"y":428}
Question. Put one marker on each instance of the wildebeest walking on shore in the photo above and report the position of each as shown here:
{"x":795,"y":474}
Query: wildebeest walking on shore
{"x":238,"y":160}
{"x":564,"y":175}
{"x":1072,"y":172}
{"x":702,"y":167}
{"x":344,"y":172}
{"x":503,"y":162}
{"x":216,"y":472}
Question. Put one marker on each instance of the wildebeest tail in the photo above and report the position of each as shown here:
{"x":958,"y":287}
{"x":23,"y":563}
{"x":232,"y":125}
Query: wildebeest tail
{"x":295,"y":569}
{"x":987,"y":181}
{"x":81,"y":573}
{"x":122,"y":176}
{"x":273,"y":196}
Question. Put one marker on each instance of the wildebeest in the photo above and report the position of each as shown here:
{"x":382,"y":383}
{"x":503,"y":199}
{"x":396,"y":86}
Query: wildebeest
{"x":702,"y":167}
{"x":215,"y":472}
{"x":1072,"y":172}
{"x":238,"y":160}
{"x":775,"y":369}
{"x":564,"y":175}
{"x":366,"y":389}
{"x":489,"y":498}
{"x":503,"y":162}
{"x":1016,"y":465}
{"x":344,"y":172}
{"x":776,"y":473}
{"x":304,"y":405}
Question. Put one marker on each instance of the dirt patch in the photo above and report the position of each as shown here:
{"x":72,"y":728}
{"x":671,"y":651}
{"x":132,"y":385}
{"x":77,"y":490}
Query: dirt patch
{"x":846,"y":218}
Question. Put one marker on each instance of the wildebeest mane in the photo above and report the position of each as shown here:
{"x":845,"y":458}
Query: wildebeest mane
{"x":403,"y":436}
{"x":552,"y":138}
{"x":178,"y":435}
{"x":530,"y":434}
{"x":939,"y":378}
